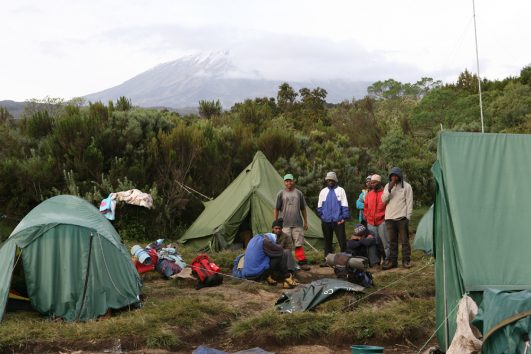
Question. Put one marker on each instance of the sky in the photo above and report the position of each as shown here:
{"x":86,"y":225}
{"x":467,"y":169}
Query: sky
{"x":65,"y":48}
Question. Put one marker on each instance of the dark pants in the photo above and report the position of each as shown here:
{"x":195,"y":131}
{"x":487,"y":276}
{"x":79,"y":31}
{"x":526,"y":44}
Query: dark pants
{"x":328,"y":229}
{"x":397,"y":230}
{"x":280,"y":267}
{"x":366,"y":247}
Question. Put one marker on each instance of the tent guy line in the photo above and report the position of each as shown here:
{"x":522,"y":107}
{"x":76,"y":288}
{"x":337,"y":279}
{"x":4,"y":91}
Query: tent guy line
{"x":351,"y":304}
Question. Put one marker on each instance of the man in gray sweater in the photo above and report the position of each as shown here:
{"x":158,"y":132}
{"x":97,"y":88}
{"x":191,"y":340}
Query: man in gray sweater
{"x":398,"y":197}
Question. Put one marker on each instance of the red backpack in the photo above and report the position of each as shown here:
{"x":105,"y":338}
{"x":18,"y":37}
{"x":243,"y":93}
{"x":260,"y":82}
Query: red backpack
{"x":206,"y":271}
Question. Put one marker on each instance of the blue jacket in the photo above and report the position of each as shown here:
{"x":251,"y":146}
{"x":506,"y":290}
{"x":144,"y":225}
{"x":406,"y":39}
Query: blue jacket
{"x":256,"y":260}
{"x":333,"y":205}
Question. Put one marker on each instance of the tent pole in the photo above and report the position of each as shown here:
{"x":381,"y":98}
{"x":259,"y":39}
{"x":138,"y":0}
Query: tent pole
{"x":445,"y":298}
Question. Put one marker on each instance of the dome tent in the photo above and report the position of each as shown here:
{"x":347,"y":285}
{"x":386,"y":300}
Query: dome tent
{"x":74,"y":262}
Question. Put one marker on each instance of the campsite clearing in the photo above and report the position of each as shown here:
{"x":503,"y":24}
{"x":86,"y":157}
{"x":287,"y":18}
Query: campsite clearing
{"x":238,"y":315}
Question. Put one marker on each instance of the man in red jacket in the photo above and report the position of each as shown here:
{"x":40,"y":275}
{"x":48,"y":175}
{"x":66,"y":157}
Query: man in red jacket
{"x":374,"y":212}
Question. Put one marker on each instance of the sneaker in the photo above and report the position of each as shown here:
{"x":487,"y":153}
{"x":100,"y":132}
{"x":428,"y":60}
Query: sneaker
{"x":305,"y":267}
{"x":389,"y":265}
{"x":406,"y":264}
{"x":290,"y":282}
{"x":271,"y":281}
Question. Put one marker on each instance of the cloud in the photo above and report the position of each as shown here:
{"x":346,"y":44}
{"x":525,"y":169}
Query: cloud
{"x":266,"y":54}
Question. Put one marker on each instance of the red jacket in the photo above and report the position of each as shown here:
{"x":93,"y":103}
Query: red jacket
{"x":374,"y":208}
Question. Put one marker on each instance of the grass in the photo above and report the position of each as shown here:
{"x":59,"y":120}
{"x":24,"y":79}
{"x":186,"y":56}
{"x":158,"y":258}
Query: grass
{"x":238,"y":314}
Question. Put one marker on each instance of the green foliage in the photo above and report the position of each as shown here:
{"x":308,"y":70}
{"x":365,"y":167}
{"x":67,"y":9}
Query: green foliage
{"x":94,"y":150}
{"x":123,"y":104}
{"x":208,"y":109}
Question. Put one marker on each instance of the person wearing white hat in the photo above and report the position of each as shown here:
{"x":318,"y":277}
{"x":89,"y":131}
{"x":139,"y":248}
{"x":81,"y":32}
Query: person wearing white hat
{"x":332,"y":208}
{"x":374,"y":209}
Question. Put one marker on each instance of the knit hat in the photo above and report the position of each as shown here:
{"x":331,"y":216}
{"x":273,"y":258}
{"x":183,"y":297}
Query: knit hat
{"x":360,"y":230}
{"x":376,"y":178}
{"x":288,"y":176}
{"x":368,"y":178}
{"x":331,"y":176}
{"x":278,"y":222}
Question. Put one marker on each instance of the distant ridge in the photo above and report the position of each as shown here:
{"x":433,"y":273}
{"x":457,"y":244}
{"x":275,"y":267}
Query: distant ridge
{"x":186,"y":81}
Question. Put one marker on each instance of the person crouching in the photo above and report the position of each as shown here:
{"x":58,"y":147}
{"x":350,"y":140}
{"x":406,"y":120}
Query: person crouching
{"x":362,"y":243}
{"x":266,"y":259}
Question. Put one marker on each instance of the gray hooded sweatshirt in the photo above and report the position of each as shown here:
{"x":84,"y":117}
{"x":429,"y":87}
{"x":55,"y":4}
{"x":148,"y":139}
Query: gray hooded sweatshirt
{"x":399,"y":203}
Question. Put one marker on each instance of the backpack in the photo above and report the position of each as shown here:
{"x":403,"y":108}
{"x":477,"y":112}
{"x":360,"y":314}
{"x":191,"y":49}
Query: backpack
{"x":352,"y":269}
{"x":207,"y":272}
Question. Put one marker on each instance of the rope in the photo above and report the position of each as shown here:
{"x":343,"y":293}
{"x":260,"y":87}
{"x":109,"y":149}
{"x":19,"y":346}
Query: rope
{"x":227,"y":275}
{"x":309,"y":244}
{"x":436,"y":329}
{"x":16,"y":262}
{"x":351,"y":304}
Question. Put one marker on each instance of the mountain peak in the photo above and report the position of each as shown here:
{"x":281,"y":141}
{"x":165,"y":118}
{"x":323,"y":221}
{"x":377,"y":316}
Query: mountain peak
{"x":185,"y":81}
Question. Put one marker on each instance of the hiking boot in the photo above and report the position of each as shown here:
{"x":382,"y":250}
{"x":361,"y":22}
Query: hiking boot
{"x":305,"y":266}
{"x":271,"y":281}
{"x":406,"y":264}
{"x":290,"y":282}
{"x":389,"y":265}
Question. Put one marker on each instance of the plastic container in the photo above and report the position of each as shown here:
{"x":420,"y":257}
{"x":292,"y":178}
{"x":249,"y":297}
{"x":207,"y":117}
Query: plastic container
{"x":366,"y":349}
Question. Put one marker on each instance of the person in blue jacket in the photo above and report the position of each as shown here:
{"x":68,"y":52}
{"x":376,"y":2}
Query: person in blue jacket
{"x":360,"y":203}
{"x":332,"y":208}
{"x":266,"y":259}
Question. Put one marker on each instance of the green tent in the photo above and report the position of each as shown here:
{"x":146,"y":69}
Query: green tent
{"x":75,"y":265}
{"x":424,"y":234}
{"x":252,"y":192}
{"x":481,"y":223}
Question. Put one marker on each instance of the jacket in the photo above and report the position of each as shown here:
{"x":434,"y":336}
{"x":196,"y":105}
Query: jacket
{"x":399,"y":202}
{"x":333,"y":210}
{"x":257,"y":254}
{"x":374,"y":208}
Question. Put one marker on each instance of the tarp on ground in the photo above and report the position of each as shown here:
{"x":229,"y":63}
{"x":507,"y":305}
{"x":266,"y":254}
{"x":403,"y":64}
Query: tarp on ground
{"x":307,"y":296}
{"x":424,"y":234}
{"x":253,"y":191}
{"x":75,"y":265}
{"x":482,"y":228}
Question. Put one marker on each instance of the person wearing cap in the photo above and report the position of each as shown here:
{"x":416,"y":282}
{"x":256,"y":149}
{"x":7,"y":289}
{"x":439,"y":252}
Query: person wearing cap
{"x":360,"y":203}
{"x":291,"y":207}
{"x":265,"y":259}
{"x":374,"y":210}
{"x":398,"y":197}
{"x":332,"y":208}
{"x":363,"y":243}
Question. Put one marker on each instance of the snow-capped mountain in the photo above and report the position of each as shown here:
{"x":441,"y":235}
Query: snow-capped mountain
{"x":185,"y":81}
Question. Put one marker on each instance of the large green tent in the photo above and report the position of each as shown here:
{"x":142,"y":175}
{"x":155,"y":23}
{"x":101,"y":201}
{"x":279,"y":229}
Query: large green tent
{"x":75,"y":265}
{"x":481,"y":223}
{"x":252,"y":192}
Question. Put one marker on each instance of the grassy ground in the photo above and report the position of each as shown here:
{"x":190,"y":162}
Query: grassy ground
{"x":397,"y":313}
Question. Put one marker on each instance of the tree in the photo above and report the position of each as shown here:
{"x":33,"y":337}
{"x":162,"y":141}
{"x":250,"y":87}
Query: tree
{"x":208,"y":109}
{"x":5,"y":116}
{"x":525,"y":75}
{"x":286,"y":97}
{"x":467,"y":82}
{"x":123,"y":104}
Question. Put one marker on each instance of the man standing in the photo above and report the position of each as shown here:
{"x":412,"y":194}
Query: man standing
{"x":266,"y":259}
{"x":291,"y":207}
{"x":374,"y":210}
{"x":360,"y":203}
{"x":398,"y":197}
{"x":333,"y":210}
